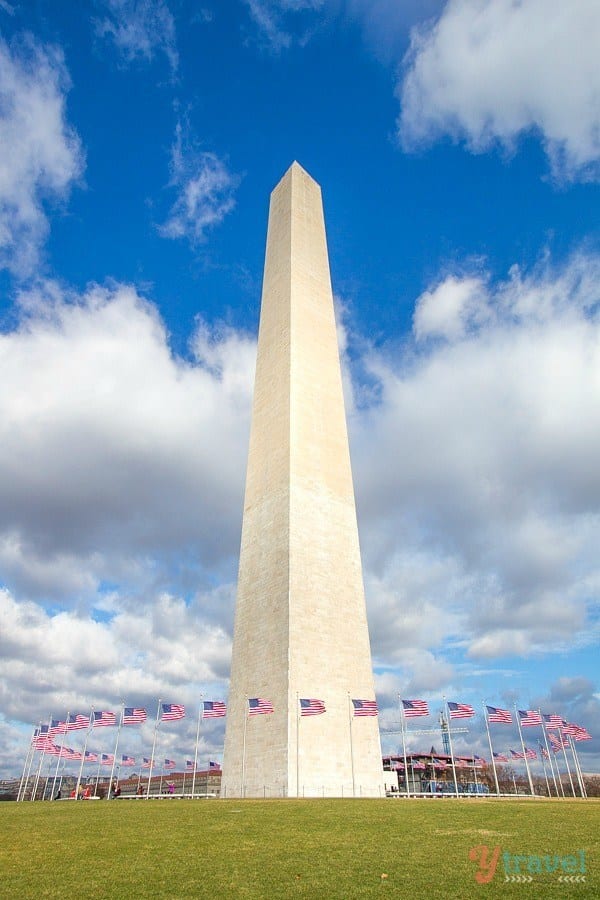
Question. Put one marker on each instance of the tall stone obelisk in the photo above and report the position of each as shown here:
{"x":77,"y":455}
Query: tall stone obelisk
{"x":300,"y":624}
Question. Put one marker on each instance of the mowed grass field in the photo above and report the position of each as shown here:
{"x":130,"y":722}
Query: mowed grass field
{"x":289,"y":848}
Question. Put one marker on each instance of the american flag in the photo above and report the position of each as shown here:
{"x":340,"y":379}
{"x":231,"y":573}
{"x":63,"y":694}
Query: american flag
{"x":517,"y":754}
{"x":553,"y":720}
{"x":127,"y":760}
{"x":365,"y":707}
{"x":543,"y":751}
{"x":146,"y":763}
{"x":461,"y":763}
{"x":213,"y":709}
{"x":556,"y":743}
{"x":69,"y":753}
{"x":419,"y":765}
{"x":529,"y":717}
{"x":479,"y":761}
{"x":190,"y":765}
{"x":414,"y":708}
{"x":134,"y":715}
{"x":499,"y":715}
{"x":57,"y":726}
{"x":500,"y":757}
{"x":582,"y":734}
{"x":107,"y":759}
{"x":259,"y":707}
{"x":439,"y":764}
{"x":90,"y":757}
{"x":460,"y":710}
{"x":311,"y":707}
{"x":570,"y":728}
{"x":104,"y":718}
{"x":76,"y":722}
{"x":171,"y":712}
{"x":44,"y":742}
{"x":530,"y":754}
{"x":214,"y":765}
{"x":169,"y":764}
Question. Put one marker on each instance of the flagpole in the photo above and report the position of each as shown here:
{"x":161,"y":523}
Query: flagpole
{"x":297,"y":745}
{"x":39,"y":772}
{"x":445,"y":702}
{"x":518,"y":718}
{"x":36,"y":780}
{"x":350,"y":717}
{"x":402,"y":724}
{"x":98,"y":774}
{"x":577,"y":767}
{"x":244,"y":751}
{"x":114,"y":761}
{"x":548,"y":752}
{"x":59,"y":756}
{"x":564,"y":749}
{"x":544,"y":768}
{"x":28,"y":758}
{"x":200,"y":711}
{"x":487,"y":728}
{"x":153,"y":748}
{"x":85,"y":743}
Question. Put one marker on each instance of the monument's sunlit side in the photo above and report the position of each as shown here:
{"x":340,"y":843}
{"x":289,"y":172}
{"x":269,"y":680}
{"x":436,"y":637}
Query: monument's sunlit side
{"x":300,"y":626}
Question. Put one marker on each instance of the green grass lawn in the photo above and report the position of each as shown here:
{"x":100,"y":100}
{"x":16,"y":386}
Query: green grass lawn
{"x":290,"y":848}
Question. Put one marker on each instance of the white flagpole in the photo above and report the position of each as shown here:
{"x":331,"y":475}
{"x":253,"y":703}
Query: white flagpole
{"x":451,"y":748}
{"x":487,"y":728}
{"x":27,"y":767}
{"x":564,"y":749}
{"x":297,"y":745}
{"x":518,"y":718}
{"x":98,"y":774}
{"x":59,"y":755}
{"x":548,"y":752}
{"x":576,"y":764}
{"x":244,"y":750}
{"x":540,"y":748}
{"x":200,"y":714}
{"x":114,"y":762}
{"x":153,"y":747}
{"x":38,"y":775}
{"x":162,"y":772}
{"x":350,"y":711}
{"x":85,"y":743}
{"x":402,"y":725}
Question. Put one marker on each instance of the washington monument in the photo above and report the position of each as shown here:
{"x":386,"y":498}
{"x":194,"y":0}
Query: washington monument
{"x":300,"y":631}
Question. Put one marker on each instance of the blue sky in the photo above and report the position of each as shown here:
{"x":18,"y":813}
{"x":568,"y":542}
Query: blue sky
{"x":457,"y":148}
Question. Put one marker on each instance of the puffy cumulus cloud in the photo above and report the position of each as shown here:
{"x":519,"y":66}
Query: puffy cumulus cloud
{"x":140,"y":29}
{"x":205,"y":190}
{"x":481,"y":72}
{"x":476,"y":472}
{"x":41,"y":154}
{"x":114,"y":454}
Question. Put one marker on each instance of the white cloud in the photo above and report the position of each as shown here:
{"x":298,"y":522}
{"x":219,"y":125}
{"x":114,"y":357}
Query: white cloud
{"x":41,"y":154}
{"x":492,"y":70}
{"x":112,"y":450}
{"x":278,"y":21}
{"x":205,"y":191}
{"x":140,"y":29}
{"x":476,"y":472}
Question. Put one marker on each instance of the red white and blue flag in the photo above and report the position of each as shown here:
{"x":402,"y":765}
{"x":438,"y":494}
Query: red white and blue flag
{"x":530,"y":754}
{"x":107,"y":759}
{"x":214,"y":766}
{"x":77,"y":722}
{"x":104,"y":718}
{"x":90,"y":757}
{"x":127,"y":760}
{"x":311,"y":707}
{"x":257,"y":706}
{"x":365,"y":707}
{"x":553,"y":720}
{"x":412,"y":708}
{"x":57,"y":726}
{"x":419,"y":765}
{"x":517,"y":754}
{"x":169,"y":764}
{"x":500,"y":757}
{"x":502,"y":716}
{"x":213,"y":709}
{"x":582,"y":734}
{"x":134,"y":715}
{"x":460,"y":710}
{"x":172,"y":711}
{"x":146,"y":763}
{"x":529,"y":717}
{"x":543,"y":751}
{"x":479,"y":761}
{"x":190,"y":765}
{"x":69,"y":753}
